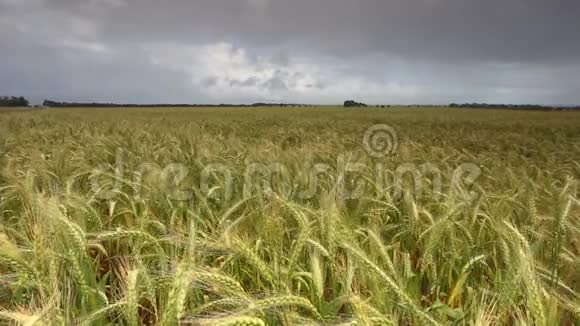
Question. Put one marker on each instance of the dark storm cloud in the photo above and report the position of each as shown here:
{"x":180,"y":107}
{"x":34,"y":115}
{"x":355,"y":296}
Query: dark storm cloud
{"x":471,"y":30}
{"x":42,"y":72}
{"x":407,"y":50}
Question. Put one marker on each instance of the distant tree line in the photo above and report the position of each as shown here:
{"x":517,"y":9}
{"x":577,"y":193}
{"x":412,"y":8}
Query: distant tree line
{"x":13,"y":101}
{"x":530,"y":107}
{"x":279,"y":104}
{"x":55,"y":104}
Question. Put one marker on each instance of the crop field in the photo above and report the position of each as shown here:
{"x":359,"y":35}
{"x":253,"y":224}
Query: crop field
{"x":294,"y":216}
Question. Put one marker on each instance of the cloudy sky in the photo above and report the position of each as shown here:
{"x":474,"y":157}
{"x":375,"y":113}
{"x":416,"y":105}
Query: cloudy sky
{"x":314,"y":51}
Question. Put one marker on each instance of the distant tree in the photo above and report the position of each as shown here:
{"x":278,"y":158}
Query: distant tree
{"x":13,"y":101}
{"x":353,"y":104}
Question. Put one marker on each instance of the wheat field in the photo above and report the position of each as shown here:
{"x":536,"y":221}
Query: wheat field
{"x":274,"y":216}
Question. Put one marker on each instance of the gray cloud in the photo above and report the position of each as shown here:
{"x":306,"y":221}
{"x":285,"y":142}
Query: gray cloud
{"x":275,"y":84}
{"x":405,"y":51}
{"x":250,"y":82}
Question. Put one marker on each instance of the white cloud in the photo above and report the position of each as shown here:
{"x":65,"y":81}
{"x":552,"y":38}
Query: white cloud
{"x":223,"y":71}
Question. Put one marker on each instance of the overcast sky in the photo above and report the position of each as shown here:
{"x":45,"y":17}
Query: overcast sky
{"x":314,"y":51}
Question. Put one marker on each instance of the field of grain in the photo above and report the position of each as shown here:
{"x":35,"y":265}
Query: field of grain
{"x":289,"y":217}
